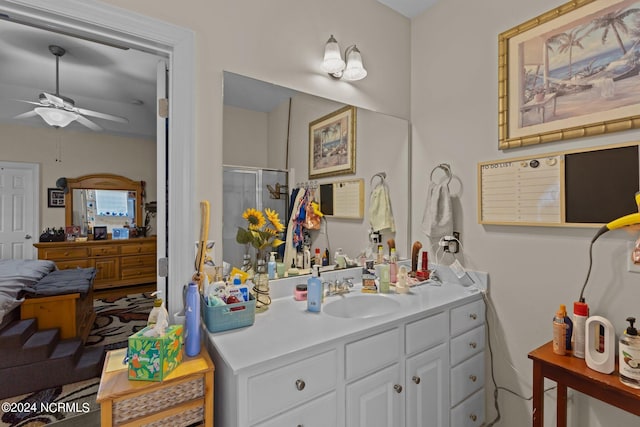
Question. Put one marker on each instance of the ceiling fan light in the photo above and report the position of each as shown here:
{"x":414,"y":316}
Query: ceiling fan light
{"x":56,"y":117}
{"x":355,"y":70}
{"x":332,"y":62}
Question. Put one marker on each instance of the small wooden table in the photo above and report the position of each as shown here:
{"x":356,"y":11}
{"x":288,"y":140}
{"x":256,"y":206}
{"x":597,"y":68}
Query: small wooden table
{"x":184,"y":397}
{"x":572,"y":372}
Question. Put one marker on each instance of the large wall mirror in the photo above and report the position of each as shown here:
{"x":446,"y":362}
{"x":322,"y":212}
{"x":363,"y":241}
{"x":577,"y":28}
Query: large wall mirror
{"x":266,"y":146}
{"x":102,"y":200}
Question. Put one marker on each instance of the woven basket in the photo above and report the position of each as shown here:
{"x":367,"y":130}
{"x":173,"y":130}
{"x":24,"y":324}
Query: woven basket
{"x":158,"y":400}
{"x":184,"y":419}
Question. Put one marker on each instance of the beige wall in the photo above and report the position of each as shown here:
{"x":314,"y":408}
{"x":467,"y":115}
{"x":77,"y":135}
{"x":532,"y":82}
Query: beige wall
{"x":532,"y":269}
{"x":245,"y":138}
{"x":64,"y":153}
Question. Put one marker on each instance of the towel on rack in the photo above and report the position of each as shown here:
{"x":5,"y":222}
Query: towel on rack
{"x":380,"y":213}
{"x":437,"y":220}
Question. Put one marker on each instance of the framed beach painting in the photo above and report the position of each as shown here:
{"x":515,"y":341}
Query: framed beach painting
{"x":570,"y":72}
{"x":332,"y":144}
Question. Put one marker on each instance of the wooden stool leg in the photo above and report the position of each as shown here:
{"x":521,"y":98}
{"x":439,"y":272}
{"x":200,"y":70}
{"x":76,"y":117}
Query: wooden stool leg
{"x":561,"y":405}
{"x":538,"y":395}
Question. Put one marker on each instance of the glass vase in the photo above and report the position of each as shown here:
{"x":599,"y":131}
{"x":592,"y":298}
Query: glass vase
{"x":260,"y":290}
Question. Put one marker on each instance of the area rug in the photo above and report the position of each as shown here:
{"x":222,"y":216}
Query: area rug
{"x":116,"y":320}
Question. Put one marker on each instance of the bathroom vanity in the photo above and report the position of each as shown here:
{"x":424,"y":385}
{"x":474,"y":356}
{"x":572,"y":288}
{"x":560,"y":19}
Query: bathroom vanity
{"x":416,"y":360}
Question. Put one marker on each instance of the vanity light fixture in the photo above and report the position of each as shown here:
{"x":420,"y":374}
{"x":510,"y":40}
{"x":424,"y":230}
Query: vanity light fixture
{"x":56,"y":117}
{"x":333,"y":64}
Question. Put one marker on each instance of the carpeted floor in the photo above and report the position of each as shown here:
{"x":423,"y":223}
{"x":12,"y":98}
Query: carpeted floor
{"x":116,"y":319}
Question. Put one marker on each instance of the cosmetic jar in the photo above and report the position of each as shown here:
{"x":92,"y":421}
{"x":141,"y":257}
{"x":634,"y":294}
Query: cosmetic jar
{"x":300,"y":294}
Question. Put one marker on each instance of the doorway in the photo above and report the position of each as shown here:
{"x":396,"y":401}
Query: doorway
{"x":178,"y":44}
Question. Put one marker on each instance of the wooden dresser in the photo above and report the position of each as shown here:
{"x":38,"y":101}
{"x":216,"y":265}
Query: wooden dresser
{"x":118,"y":263}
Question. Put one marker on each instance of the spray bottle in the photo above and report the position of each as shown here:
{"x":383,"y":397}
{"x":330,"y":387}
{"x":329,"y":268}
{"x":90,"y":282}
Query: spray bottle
{"x":192,"y":321}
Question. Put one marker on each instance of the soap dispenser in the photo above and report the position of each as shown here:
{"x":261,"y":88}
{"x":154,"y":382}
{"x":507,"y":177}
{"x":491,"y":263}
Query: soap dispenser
{"x":314,"y":291}
{"x":271,"y":267}
{"x":629,"y":356}
{"x":157,"y":310}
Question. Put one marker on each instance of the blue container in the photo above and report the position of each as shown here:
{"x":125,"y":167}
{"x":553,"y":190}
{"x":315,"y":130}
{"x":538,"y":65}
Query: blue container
{"x":192,"y":321}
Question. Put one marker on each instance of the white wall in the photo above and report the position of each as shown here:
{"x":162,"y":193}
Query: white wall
{"x":245,"y":136}
{"x":532,"y":269}
{"x":65,"y":153}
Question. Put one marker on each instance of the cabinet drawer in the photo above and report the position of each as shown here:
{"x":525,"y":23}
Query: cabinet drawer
{"x":62,"y":253}
{"x":280,"y":389}
{"x":76,"y":263}
{"x":469,"y":413}
{"x":425,"y":333}
{"x":103,"y":251}
{"x":372,"y":353}
{"x":320,"y":412}
{"x":467,"y":378}
{"x":466,"y":317}
{"x":133,"y":272}
{"x":466,"y":345}
{"x":138,"y":261}
{"x":139,"y":248}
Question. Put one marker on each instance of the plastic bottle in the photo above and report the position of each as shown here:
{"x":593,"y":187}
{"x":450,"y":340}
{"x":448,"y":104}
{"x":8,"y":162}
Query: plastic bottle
{"x":560,"y":331}
{"x":192,"y":321}
{"x":306,"y":258}
{"x":629,"y":356}
{"x":580,"y":315}
{"x":271,"y":267}
{"x":314,"y":291}
{"x":339,"y":259}
{"x":318,"y":257}
{"x":325,"y":257}
{"x":244,"y":289}
{"x":380,"y":257}
{"x":393,"y":266}
{"x":383,"y":277}
{"x":158,"y":306}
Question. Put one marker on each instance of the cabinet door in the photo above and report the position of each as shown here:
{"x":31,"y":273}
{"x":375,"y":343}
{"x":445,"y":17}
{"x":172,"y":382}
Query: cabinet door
{"x":107,"y":269}
{"x":376,"y":400}
{"x":427,"y":380}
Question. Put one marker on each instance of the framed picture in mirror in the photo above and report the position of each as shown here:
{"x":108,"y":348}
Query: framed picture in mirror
{"x":100,"y":233}
{"x":332,"y":144}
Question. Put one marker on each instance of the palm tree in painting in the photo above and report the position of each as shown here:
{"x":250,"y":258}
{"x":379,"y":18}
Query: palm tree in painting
{"x":614,"y":22}
{"x":566,"y":42}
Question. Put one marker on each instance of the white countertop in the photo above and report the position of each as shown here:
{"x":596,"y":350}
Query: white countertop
{"x":287,"y":327}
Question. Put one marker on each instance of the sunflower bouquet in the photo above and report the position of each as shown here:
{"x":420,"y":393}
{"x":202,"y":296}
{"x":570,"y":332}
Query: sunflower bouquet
{"x":261,"y":233}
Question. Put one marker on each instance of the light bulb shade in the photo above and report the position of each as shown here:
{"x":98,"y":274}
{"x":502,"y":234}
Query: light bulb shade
{"x":332,"y":62}
{"x":354,"y":70}
{"x":56,"y":117}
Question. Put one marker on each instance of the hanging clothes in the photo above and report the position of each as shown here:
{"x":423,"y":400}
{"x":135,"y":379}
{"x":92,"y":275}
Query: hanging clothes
{"x":294,"y":230}
{"x":380,"y":212}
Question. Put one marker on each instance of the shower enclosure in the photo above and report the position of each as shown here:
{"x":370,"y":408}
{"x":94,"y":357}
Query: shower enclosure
{"x":243,"y":188}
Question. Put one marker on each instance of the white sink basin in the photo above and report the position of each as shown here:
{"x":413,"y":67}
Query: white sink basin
{"x":360,"y":306}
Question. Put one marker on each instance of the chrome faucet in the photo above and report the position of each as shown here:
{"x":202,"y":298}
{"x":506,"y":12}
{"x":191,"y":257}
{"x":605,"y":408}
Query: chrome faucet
{"x":339,"y":287}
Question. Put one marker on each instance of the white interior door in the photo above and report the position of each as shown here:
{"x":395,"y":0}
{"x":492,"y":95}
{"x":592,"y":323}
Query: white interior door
{"x":162,"y":132}
{"x":19,"y":207}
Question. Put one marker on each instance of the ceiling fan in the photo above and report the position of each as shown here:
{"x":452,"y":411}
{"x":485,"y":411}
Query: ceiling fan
{"x":58,"y":111}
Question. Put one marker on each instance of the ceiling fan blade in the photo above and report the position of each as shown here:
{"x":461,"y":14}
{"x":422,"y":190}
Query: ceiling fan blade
{"x":52,"y":99}
{"x":101,"y":115}
{"x":26,"y":115}
{"x":31,"y":102}
{"x":88,"y":123}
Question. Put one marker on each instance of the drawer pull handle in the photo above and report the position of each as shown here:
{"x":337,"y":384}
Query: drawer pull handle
{"x":300,"y":384}
{"x":473,"y":378}
{"x":473,"y":417}
{"x":397,"y":388}
{"x":473,"y":316}
{"x":416,"y":379}
{"x":473,"y":344}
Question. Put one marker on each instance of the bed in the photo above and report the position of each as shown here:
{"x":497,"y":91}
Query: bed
{"x":57,"y":298}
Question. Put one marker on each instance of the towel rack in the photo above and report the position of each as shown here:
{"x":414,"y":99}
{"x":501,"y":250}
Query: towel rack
{"x":381,"y":175}
{"x":447,"y":170}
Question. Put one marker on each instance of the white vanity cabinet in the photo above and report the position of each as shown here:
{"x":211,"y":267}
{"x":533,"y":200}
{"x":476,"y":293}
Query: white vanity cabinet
{"x":424,"y":368}
{"x":467,"y":364}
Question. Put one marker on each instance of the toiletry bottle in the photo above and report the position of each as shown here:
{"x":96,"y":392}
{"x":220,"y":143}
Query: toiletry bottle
{"x":314,"y":291}
{"x":271,"y":267}
{"x":339,"y":259}
{"x":380,"y":257}
{"x":580,"y":315}
{"x":325,"y":257}
{"x":383,"y":277}
{"x":629,"y":356}
{"x":318,"y":257}
{"x":560,"y":331}
{"x":244,"y":289}
{"x":192,"y":321}
{"x":158,"y":306}
{"x":306,"y":258}
{"x":393,"y":266}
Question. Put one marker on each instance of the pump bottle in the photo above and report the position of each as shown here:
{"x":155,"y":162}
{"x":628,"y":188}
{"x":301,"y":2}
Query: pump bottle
{"x":158,"y":306}
{"x":629,"y":356}
{"x":314,"y":291}
{"x":271,"y":267}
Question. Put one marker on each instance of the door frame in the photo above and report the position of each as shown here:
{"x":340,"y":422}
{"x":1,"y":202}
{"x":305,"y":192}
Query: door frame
{"x":34,"y":169}
{"x":105,"y":22}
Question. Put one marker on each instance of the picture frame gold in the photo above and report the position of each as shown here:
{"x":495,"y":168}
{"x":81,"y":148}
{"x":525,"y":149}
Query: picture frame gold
{"x":587,"y":95}
{"x":332,"y":144}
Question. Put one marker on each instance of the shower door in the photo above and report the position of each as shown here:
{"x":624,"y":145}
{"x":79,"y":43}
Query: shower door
{"x":243,"y":188}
